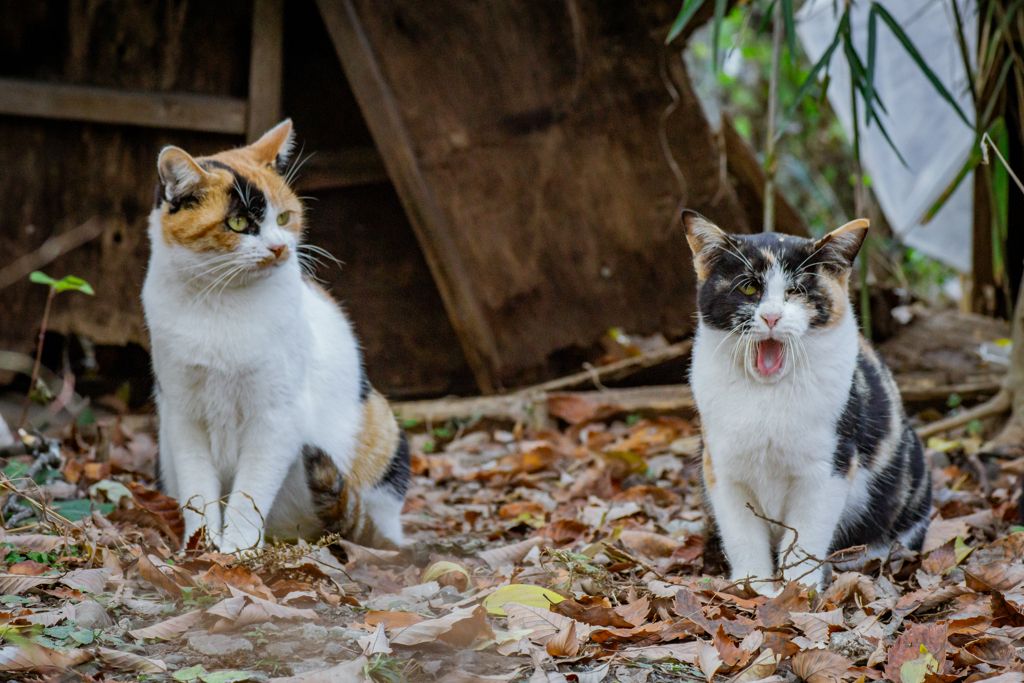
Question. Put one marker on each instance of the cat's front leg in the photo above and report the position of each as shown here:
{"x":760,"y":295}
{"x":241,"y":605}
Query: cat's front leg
{"x":186,"y":456}
{"x":745,"y":537}
{"x":815,"y":506}
{"x":267,"y":453}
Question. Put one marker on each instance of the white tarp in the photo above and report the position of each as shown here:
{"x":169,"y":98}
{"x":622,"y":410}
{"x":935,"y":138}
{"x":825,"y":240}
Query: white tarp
{"x":929,"y":134}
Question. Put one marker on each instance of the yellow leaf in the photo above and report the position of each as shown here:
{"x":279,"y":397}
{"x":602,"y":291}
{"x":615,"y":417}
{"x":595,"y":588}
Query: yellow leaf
{"x":522,"y":594}
{"x":940,"y":444}
{"x":459,"y":576}
{"x":915,"y":671}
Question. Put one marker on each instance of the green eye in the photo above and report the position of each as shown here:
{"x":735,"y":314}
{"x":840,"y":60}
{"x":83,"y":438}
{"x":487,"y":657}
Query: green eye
{"x":238,"y":223}
{"x":748,"y":289}
{"x":282,"y":218}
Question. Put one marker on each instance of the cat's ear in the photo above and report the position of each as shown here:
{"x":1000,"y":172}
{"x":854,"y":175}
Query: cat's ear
{"x":704,"y":237}
{"x":275,"y":147}
{"x":840,"y":247}
{"x":180,"y":174}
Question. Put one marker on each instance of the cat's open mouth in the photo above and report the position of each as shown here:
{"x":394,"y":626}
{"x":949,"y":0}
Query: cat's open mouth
{"x":771,"y":354}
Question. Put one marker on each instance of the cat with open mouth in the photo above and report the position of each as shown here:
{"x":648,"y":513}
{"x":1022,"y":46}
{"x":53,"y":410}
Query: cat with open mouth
{"x":807,"y":450}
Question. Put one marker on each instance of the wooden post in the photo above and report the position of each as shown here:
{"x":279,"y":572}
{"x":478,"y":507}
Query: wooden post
{"x":380,"y":109}
{"x":265,"y":67}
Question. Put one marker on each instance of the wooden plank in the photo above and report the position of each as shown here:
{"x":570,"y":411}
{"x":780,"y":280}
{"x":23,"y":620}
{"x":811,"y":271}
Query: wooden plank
{"x":344,"y":168}
{"x":134,"y":108}
{"x":265,"y":67}
{"x":389,"y":133}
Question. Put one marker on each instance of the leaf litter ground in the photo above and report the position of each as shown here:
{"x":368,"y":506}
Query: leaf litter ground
{"x":569,"y":554}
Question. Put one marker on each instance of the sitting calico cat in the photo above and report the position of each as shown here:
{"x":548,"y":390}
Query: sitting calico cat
{"x":264,"y":406}
{"x":801,"y":421}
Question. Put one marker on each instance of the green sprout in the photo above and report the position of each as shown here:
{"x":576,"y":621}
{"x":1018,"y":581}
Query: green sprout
{"x":38,"y":390}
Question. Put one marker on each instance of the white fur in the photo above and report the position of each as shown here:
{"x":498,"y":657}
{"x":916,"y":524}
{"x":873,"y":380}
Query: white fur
{"x":250,"y":365}
{"x":771,"y":439}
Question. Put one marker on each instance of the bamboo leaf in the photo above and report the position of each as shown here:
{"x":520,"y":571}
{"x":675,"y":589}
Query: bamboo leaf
{"x":869,"y":86}
{"x":812,"y":77}
{"x":908,"y":45}
{"x":787,"y":21}
{"x":686,"y":13}
{"x":716,"y":30}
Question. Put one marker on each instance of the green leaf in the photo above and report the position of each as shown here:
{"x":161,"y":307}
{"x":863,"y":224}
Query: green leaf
{"x":686,"y":13}
{"x":15,"y":470}
{"x":716,"y":30}
{"x":908,"y":45}
{"x":73,"y":283}
{"x":41,"y":278}
{"x":822,"y":63}
{"x":228,"y":676}
{"x":59,"y":632}
{"x":84,"y":637}
{"x":189,"y":674}
{"x":787,"y":21}
{"x":869,"y":86}
{"x":74,"y":510}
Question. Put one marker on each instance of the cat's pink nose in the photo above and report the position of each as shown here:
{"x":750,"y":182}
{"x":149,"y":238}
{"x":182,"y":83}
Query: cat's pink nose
{"x":277,"y":249}
{"x":771,"y":319}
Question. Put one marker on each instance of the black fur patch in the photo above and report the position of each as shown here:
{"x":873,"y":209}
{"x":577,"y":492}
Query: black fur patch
{"x":324,"y":479}
{"x":399,"y":469}
{"x":742,"y":261}
{"x":246,"y":199}
{"x":364,"y":386}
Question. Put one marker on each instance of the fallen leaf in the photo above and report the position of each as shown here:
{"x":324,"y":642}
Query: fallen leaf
{"x":30,"y":656}
{"x":576,"y":409}
{"x":87,"y":580}
{"x":376,"y":643}
{"x":992,"y":650}
{"x":708,"y":660}
{"x":916,"y":670}
{"x":817,"y":626}
{"x":459,"y":628}
{"x":635,"y":612}
{"x":29,"y":568}
{"x":190,"y":674}
{"x":14,"y":584}
{"x":131,"y":662}
{"x":447,"y":574}
{"x":908,"y":647}
{"x":565,"y":643}
{"x":820,"y":666}
{"x":392,"y":619}
{"x":151,"y":573}
{"x":371,"y":556}
{"x":512,"y":554}
{"x":169,"y":628}
{"x":542,"y":623}
{"x":349,"y":672}
{"x":762,"y":667}
{"x":237,"y":676}
{"x":521,"y":594}
{"x":647,"y":544}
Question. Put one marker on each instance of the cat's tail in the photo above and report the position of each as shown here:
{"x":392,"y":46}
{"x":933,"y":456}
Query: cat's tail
{"x":365,"y":506}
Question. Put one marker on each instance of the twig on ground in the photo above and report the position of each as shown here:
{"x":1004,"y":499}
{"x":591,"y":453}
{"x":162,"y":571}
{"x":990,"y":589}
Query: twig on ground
{"x":996,"y":405}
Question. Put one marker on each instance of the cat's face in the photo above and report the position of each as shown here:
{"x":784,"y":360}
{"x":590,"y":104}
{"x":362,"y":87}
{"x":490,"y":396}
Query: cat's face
{"x":770,"y":291}
{"x":230,"y":218}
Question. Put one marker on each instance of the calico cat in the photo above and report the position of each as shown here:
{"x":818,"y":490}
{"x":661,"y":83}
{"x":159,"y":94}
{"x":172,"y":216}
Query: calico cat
{"x":801,"y":421}
{"x":263,"y":402}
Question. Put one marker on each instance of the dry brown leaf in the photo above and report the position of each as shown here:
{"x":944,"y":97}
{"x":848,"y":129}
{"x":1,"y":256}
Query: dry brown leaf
{"x":376,"y":643}
{"x":762,"y":667}
{"x":161,"y":505}
{"x":595,"y":615}
{"x":47,"y":618}
{"x":992,"y":650}
{"x":29,"y":568}
{"x":731,"y":655}
{"x":13,"y":584}
{"x":687,"y":653}
{"x":815,"y":625}
{"x":565,"y":643}
{"x":908,"y":647}
{"x":132,"y":662}
{"x":87,"y":580}
{"x":370,"y":556}
{"x":543,"y":623}
{"x":708,"y":660}
{"x":647,"y":544}
{"x":349,"y":672}
{"x":512,"y":554}
{"x":847,"y":585}
{"x":393,"y":620}
{"x":459,"y":628}
{"x":576,"y":409}
{"x":29,"y":656}
{"x":39,"y":543}
{"x":635,"y":612}
{"x":776,"y":611}
{"x":239,"y":577}
{"x":150,"y":572}
{"x":942,"y":531}
{"x":820,"y":666}
{"x":999,"y":576}
{"x":259,"y":610}
{"x":169,"y":628}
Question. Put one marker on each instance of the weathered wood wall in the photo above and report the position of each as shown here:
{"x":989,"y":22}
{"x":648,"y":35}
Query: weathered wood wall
{"x":57,"y":174}
{"x":538,"y":129}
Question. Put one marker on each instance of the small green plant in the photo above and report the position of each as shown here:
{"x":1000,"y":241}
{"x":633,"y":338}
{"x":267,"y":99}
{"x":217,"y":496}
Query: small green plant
{"x":66,"y":284}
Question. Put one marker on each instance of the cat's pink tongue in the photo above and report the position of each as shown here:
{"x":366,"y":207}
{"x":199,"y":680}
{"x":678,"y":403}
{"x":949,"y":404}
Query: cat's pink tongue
{"x":769,"y":356}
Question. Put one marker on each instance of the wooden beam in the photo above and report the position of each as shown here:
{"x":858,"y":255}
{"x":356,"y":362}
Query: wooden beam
{"x":344,"y":168}
{"x":380,"y":109}
{"x":265,"y":67}
{"x":134,"y":108}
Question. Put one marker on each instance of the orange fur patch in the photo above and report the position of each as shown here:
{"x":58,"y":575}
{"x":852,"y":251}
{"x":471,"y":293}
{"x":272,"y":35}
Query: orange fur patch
{"x":707,"y":468}
{"x":202,"y":227}
{"x":838,"y":293}
{"x":376,"y":443}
